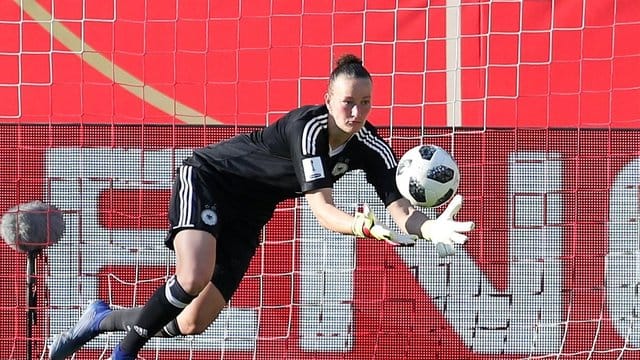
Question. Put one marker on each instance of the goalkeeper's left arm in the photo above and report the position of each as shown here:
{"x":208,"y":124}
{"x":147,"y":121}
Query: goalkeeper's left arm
{"x":444,"y":232}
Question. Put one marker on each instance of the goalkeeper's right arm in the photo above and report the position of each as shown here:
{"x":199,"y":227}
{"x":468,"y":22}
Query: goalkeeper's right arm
{"x":328,"y":215}
{"x":362,"y":224}
{"x":366,"y":224}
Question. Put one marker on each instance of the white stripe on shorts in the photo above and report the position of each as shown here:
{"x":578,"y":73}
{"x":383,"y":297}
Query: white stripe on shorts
{"x":185,"y":197}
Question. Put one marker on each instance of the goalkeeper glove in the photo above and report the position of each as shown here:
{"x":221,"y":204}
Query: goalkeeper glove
{"x":366,"y":225}
{"x":444,"y":232}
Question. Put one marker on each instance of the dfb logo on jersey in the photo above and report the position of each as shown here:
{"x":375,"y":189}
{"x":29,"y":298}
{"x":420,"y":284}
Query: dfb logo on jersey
{"x":339,"y":169}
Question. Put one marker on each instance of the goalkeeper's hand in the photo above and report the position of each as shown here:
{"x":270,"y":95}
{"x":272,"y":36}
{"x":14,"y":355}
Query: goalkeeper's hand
{"x":444,"y":232}
{"x":366,"y":225}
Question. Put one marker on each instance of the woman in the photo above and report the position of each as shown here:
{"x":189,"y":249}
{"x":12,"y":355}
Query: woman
{"x":225,"y":193}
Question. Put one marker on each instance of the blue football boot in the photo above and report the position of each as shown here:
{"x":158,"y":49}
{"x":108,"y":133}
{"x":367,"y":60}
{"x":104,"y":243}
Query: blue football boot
{"x":87,"y":328}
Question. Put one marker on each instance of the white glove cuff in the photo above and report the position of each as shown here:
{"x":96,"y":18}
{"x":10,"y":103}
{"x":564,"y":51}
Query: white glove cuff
{"x":425,"y":229}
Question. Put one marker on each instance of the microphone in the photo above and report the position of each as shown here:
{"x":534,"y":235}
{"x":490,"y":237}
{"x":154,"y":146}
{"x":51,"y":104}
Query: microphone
{"x":32,"y":226}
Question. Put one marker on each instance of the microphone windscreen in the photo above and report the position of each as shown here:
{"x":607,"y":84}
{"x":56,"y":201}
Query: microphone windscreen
{"x":32,"y":226}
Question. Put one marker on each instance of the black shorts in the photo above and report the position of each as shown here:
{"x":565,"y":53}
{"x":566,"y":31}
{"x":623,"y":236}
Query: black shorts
{"x":206,"y":201}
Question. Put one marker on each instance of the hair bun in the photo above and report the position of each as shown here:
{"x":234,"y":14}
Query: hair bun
{"x":349,"y":65}
{"x":347,"y":59}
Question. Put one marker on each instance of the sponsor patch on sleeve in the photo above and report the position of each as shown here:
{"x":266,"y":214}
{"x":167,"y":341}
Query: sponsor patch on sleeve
{"x":312,"y":168}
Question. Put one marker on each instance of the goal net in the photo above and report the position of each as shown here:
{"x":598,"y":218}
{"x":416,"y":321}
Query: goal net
{"x":536,"y":100}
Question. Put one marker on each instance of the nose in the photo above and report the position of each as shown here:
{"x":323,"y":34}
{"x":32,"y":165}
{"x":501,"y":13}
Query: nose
{"x":354,"y":111}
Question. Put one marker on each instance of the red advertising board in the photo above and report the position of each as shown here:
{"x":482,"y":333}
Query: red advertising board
{"x":544,"y":273}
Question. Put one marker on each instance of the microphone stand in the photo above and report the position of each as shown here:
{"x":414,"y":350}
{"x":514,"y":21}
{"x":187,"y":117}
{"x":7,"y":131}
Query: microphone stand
{"x":32,"y":299}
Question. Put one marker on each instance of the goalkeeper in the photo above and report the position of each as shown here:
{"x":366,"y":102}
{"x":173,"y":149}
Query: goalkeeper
{"x":225,"y":193}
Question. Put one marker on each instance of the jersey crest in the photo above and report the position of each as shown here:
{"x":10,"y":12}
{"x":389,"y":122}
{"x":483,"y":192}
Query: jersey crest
{"x":339,"y":169}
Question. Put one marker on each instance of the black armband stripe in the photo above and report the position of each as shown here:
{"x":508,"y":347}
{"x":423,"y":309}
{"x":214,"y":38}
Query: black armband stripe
{"x":414,"y":223}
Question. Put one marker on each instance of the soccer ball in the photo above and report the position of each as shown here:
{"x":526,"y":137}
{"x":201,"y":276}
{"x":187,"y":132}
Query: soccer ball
{"x":427,"y":175}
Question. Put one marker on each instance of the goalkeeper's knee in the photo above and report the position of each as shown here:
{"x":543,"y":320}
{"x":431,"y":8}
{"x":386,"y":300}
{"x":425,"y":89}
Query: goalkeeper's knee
{"x":176,"y":295}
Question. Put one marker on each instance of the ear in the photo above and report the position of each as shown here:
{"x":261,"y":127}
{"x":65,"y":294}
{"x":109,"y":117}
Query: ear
{"x":327,"y":98}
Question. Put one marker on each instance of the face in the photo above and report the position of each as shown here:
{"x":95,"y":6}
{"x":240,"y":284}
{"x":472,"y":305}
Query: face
{"x":349,"y":102}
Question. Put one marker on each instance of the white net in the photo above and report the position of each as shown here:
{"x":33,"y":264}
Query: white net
{"x":537,"y":100}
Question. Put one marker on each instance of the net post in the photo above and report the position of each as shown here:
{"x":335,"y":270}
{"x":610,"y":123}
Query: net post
{"x":31,"y":299}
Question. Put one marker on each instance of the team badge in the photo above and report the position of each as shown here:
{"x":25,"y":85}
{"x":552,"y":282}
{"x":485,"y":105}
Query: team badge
{"x":209,"y":217}
{"x":339,"y":169}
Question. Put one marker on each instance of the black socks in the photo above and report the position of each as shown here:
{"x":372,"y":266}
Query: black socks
{"x":123,"y":320}
{"x":163,"y":306}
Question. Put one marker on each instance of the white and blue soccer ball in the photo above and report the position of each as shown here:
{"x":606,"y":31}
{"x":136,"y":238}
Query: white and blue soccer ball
{"x":427,"y":176}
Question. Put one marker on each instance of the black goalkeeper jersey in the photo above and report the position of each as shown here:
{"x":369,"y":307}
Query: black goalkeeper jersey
{"x":292,"y":156}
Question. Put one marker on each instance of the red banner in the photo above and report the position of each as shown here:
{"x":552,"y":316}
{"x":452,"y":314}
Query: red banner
{"x":549,"y":269}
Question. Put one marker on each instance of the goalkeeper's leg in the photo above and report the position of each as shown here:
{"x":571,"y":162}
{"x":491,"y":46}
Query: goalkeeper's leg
{"x":195,"y":261}
{"x":193,"y":320}
{"x":99,"y":318}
